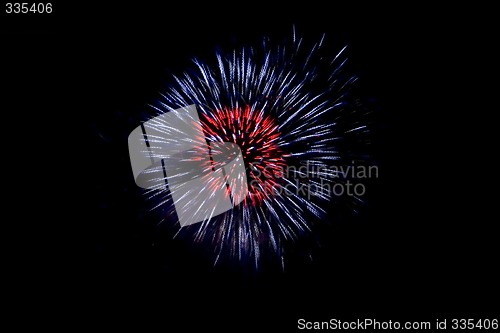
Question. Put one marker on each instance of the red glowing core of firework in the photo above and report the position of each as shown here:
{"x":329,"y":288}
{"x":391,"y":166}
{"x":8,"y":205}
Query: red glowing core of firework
{"x":258,"y":137}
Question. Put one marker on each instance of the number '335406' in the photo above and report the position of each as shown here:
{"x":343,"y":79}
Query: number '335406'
{"x":27,"y":7}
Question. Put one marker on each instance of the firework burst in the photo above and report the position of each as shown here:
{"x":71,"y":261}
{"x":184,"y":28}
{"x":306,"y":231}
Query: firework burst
{"x":285,"y":107}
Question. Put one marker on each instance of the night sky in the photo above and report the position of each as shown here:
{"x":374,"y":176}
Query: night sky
{"x":79,"y":82}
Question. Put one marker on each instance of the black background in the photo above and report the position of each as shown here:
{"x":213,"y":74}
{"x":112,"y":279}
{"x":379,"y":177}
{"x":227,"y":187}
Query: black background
{"x":80,"y":251}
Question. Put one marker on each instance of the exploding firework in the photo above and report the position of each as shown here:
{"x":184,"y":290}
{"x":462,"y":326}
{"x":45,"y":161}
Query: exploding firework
{"x":289,"y":110}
